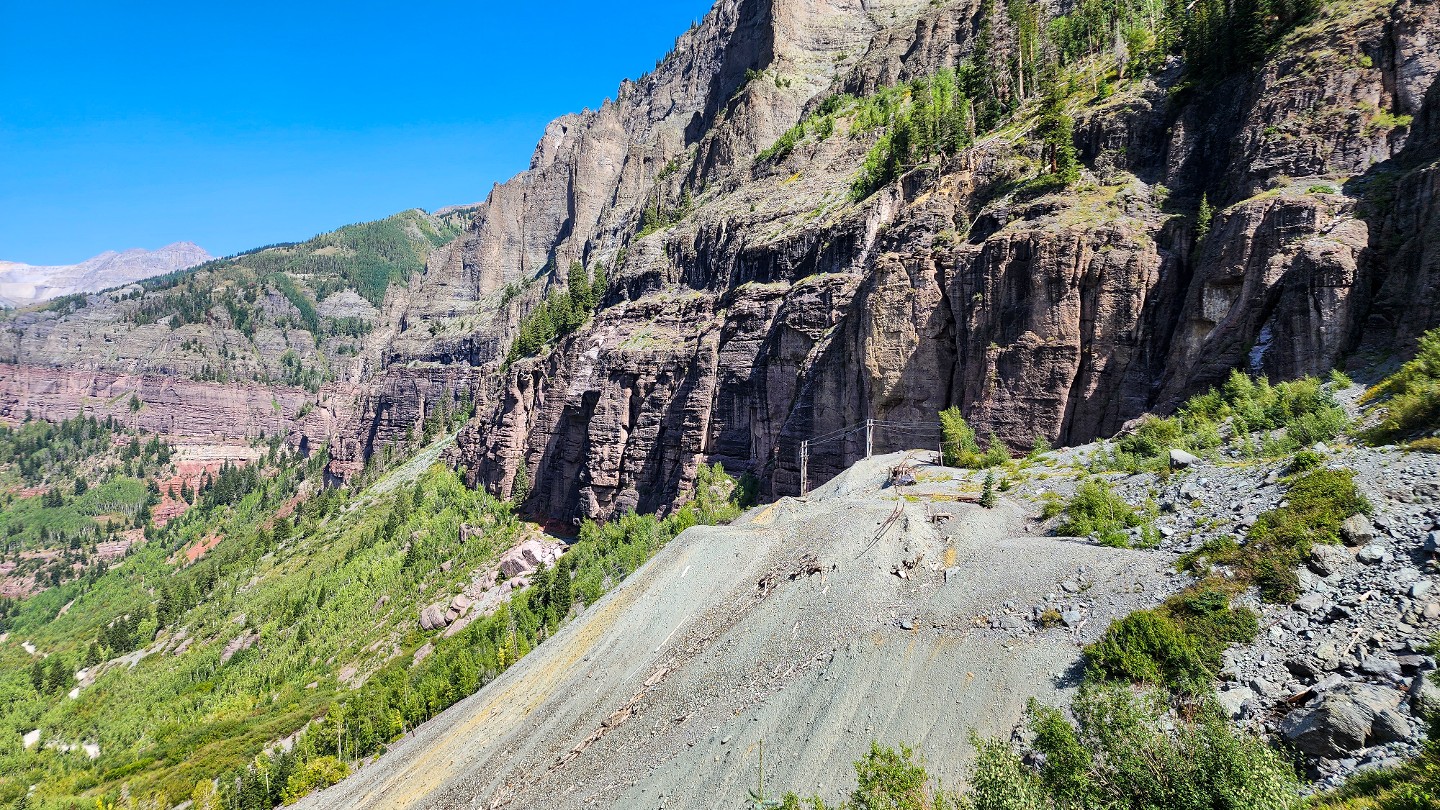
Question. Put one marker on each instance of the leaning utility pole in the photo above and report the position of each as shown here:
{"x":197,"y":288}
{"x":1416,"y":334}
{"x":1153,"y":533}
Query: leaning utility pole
{"x":804,"y":468}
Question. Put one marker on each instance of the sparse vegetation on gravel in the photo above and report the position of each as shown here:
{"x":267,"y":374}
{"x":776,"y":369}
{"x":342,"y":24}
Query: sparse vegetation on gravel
{"x":1096,"y":510}
{"x":1317,"y":504}
{"x":1178,"y":645}
{"x":1120,"y":750}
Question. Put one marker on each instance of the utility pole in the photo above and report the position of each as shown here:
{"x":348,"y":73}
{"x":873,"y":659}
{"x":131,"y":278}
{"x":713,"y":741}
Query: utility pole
{"x":804,"y":468}
{"x":869,"y":437}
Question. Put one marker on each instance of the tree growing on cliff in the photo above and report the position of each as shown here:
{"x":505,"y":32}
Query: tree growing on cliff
{"x":1203,"y":219}
{"x":559,"y":313}
{"x":1057,"y":136}
{"x":521,"y":490}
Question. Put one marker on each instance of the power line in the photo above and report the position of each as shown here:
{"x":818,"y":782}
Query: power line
{"x":930,"y":429}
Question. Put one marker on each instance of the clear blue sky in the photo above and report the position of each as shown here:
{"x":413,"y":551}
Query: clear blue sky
{"x":137,"y":124}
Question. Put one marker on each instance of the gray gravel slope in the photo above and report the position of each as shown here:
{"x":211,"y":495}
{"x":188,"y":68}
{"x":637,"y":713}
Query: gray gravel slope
{"x":793,"y":626}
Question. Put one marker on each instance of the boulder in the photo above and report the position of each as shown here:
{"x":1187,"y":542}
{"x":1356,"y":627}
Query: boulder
{"x":1424,"y":696}
{"x":1179,"y":459}
{"x":1330,"y":730}
{"x":1263,"y":687}
{"x":1327,"y":560}
{"x":1391,"y":726}
{"x":1381,"y":666}
{"x":1232,"y":701}
{"x":1310,"y":603}
{"x":527,"y":557}
{"x":239,"y":644}
{"x":1357,"y":530}
{"x":1412,"y":664}
{"x":1341,"y":722}
{"x":433,"y":617}
{"x":1432,"y":541}
{"x":1305,"y":667}
{"x":1373,"y":554}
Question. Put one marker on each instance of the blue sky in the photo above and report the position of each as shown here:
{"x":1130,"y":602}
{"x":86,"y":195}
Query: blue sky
{"x":137,"y":124}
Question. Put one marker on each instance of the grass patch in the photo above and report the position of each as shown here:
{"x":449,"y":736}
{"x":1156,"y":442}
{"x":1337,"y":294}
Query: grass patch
{"x":1410,"y":397}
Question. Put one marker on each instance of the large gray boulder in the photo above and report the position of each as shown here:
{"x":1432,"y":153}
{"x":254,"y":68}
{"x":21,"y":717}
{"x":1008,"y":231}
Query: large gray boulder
{"x":1344,"y":720}
{"x":1179,"y":459}
{"x":1357,"y":530}
{"x":1327,"y":560}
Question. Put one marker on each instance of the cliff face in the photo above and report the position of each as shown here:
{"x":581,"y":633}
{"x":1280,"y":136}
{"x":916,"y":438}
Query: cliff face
{"x":754,"y":302}
{"x":778,"y":310}
{"x":173,"y":407}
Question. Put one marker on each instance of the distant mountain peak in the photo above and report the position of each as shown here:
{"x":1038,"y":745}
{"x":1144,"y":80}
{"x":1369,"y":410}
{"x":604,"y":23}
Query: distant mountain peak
{"x":23,"y":284}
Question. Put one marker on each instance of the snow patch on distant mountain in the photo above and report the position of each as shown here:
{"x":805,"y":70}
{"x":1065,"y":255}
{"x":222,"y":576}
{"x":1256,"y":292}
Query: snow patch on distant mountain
{"x":22,"y":284}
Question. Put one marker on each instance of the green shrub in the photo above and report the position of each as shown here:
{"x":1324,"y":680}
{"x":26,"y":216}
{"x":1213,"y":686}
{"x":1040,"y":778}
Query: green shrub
{"x":927,"y":118}
{"x":317,"y":774}
{"x":1302,"y":411}
{"x":1411,"y":396}
{"x":1097,"y":510}
{"x":999,"y":780}
{"x":1305,"y":461}
{"x":1204,"y":613}
{"x":1149,"y":647}
{"x":1120,"y":752}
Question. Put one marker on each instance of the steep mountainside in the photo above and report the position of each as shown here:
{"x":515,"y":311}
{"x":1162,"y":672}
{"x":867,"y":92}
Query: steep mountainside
{"x":773,"y":305}
{"x":23,"y":284}
{"x":1081,"y":227}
